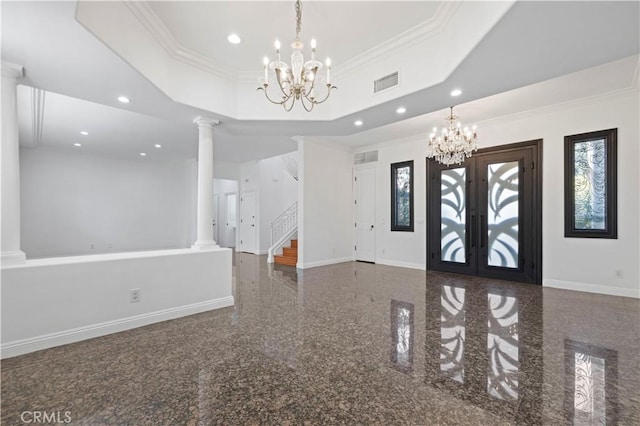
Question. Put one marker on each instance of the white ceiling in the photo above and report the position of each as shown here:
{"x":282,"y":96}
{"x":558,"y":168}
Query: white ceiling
{"x":533,"y":43}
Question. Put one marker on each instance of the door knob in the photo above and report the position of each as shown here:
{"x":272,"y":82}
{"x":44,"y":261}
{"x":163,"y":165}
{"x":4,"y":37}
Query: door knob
{"x":371,"y":226}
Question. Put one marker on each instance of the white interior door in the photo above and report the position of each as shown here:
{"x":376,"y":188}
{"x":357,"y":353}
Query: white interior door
{"x":248,"y":222}
{"x":364,"y":193}
{"x":230,"y":216}
{"x":216,"y":235}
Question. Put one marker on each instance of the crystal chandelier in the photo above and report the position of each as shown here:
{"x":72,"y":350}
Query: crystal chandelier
{"x":454,"y":144}
{"x":296,"y":82}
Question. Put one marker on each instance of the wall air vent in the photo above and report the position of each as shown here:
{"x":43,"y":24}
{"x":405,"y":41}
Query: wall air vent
{"x":386,"y":82}
{"x":365,"y":157}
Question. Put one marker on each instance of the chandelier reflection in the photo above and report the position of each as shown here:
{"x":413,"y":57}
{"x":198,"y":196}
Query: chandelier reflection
{"x":454,"y":144}
{"x":297,"y":82}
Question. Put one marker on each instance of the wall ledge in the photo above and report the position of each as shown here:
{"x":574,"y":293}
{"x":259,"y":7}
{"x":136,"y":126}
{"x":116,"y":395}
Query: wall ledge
{"x":104,"y":257}
{"x":24,"y":346}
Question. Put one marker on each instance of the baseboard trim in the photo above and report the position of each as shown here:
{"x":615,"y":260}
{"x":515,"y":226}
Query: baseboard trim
{"x":409,"y":265}
{"x":32,"y":344}
{"x":592,"y":288}
{"x":307,"y":265}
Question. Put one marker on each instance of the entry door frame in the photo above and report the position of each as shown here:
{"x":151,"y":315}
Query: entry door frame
{"x":536,"y":218}
{"x":358,"y":225}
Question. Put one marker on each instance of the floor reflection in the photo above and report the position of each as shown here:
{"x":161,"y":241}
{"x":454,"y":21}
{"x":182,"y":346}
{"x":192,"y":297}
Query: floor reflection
{"x":402,"y":335}
{"x":591,"y":383}
{"x":452,"y":332}
{"x":481,"y":355}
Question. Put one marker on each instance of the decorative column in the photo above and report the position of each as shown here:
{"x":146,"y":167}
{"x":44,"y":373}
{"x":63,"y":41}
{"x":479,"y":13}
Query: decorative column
{"x":204,"y":238}
{"x":10,"y":163}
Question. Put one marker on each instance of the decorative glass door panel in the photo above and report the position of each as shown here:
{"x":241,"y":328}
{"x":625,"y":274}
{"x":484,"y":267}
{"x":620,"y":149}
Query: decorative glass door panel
{"x":502,"y":217}
{"x":453,"y":214}
{"x":485,"y":214}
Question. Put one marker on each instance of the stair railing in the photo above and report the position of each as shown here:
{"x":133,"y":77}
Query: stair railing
{"x":283,"y":228}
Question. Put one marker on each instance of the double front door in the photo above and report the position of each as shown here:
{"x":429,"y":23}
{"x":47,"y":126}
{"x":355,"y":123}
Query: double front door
{"x":485,"y":214}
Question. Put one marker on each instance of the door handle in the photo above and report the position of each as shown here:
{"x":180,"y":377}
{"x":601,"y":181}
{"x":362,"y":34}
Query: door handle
{"x":474,"y":229}
{"x":483,"y":231}
{"x":253,"y":224}
{"x":371,"y":226}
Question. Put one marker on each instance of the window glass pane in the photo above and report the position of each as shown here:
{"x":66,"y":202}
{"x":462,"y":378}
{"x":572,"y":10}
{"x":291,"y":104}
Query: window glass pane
{"x":590,"y":184}
{"x":502,"y":214}
{"x":453,"y":215}
{"x":403,"y":194}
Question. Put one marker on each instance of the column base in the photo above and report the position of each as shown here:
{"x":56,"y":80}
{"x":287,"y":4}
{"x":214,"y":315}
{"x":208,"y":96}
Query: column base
{"x":205,"y":245}
{"x":12,"y":258}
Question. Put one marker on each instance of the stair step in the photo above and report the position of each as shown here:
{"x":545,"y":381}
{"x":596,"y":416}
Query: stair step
{"x":294,"y":243}
{"x":290,"y":252}
{"x":289,"y":261}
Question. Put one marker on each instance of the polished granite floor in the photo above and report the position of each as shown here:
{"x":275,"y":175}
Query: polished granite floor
{"x":352,"y":343}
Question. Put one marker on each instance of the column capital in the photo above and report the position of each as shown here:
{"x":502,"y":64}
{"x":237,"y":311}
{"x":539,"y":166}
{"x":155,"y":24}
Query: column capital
{"x":12,"y":70}
{"x":205,"y":121}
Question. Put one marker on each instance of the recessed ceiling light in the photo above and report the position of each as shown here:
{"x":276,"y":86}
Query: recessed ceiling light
{"x":124,"y":99}
{"x":456,"y":92}
{"x":83,"y":133}
{"x":234,"y":39}
{"x":77,"y":144}
{"x":401,"y":110}
{"x":158,"y":145}
{"x":358,"y":123}
{"x":143,"y":154}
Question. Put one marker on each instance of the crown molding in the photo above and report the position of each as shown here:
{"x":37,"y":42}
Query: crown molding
{"x":417,"y":34}
{"x":159,"y":31}
{"x":566,"y":105}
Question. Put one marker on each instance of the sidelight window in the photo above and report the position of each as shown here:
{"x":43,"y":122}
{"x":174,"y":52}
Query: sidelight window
{"x":402,"y":196}
{"x":590,"y":204}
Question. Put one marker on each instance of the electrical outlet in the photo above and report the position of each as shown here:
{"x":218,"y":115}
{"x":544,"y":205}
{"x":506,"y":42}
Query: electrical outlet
{"x":134,"y":295}
{"x":618,"y":273}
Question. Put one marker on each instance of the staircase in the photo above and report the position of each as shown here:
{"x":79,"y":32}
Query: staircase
{"x":289,"y":255}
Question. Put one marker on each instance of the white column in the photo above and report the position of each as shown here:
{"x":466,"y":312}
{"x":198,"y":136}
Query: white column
{"x":10,"y":163}
{"x":204,"y":237}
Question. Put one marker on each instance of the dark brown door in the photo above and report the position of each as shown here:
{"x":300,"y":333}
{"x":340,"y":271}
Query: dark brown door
{"x":485,"y":214}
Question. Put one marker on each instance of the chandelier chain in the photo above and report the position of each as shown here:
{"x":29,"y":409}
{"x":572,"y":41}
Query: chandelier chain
{"x":298,"y":19}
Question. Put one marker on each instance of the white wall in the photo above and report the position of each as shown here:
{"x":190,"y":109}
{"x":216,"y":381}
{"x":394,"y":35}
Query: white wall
{"x":275,"y":191}
{"x":72,"y":203}
{"x":575,"y":263}
{"x":50,"y":302}
{"x":325,"y":213}
{"x":278,"y":190}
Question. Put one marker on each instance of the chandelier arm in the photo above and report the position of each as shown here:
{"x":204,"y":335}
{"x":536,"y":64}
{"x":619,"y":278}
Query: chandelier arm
{"x":329,"y":88}
{"x":304,"y":105}
{"x":264,"y":89}
{"x":293,"y":102}
{"x":279,"y":78}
